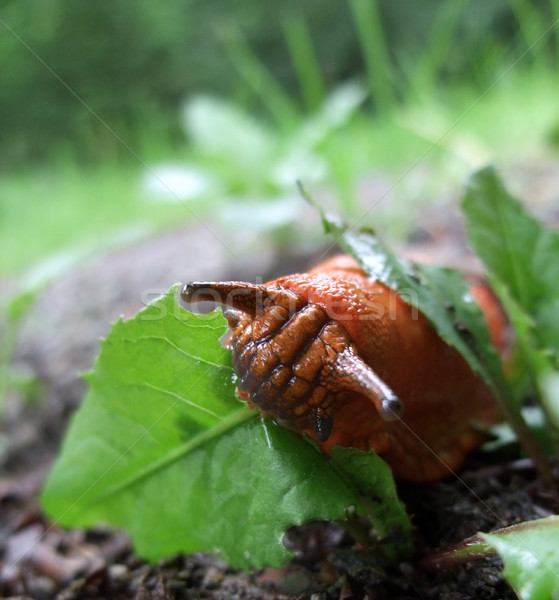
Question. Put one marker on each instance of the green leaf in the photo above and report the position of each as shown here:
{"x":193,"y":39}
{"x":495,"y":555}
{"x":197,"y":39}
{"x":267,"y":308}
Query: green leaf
{"x":530,"y":552}
{"x":162,"y":448}
{"x":441,"y":294}
{"x":518,"y":250}
{"x":523,"y":258}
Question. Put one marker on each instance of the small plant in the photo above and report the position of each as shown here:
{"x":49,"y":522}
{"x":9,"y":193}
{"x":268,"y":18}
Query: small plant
{"x":163,"y":448}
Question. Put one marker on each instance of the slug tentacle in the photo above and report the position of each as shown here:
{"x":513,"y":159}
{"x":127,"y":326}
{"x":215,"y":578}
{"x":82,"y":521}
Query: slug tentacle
{"x":356,"y":376}
{"x":249,"y":298}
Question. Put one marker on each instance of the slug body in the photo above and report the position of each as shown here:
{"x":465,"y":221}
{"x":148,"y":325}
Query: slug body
{"x":338,"y":356}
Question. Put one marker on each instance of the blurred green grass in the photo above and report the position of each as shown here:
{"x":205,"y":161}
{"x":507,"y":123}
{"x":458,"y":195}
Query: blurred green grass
{"x":444,"y":103}
{"x":44,"y":212}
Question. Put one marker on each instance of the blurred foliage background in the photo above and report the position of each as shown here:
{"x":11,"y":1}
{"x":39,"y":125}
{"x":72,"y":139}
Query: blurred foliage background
{"x":107,"y":106}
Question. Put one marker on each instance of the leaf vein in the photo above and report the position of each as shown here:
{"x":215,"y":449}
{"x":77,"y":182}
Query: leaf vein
{"x":228,"y":423}
{"x":180,"y":398}
{"x":188,"y":354}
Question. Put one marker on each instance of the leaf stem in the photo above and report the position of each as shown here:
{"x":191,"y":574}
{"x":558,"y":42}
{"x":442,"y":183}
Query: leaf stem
{"x":526,"y":438}
{"x":357,"y":529}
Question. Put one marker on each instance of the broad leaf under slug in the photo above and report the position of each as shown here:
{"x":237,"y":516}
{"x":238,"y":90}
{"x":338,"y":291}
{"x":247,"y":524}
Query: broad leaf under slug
{"x":162,"y":448}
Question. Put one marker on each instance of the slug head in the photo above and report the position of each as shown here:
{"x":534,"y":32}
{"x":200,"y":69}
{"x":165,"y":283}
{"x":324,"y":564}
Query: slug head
{"x":293,"y":362}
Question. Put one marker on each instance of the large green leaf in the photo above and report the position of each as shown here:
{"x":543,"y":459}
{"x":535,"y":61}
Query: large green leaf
{"x":518,"y":250}
{"x":162,"y":448}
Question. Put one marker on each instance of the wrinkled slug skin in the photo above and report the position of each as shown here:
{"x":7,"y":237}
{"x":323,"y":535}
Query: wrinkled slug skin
{"x":336,"y":355}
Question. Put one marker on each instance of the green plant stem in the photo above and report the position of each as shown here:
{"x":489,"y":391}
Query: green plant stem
{"x":303,"y":56}
{"x":6,"y":352}
{"x":476,"y":548}
{"x":391,"y":550}
{"x":527,"y":357}
{"x":531,"y":27}
{"x":550,"y":419}
{"x":440,"y":38}
{"x":258,"y":77}
{"x":526,"y":438}
{"x":555,"y":11}
{"x":14,"y":313}
{"x":366,"y":15}
{"x":510,"y":407}
{"x":359,"y":530}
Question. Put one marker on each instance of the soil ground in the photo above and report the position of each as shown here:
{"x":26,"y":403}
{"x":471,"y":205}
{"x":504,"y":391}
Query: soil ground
{"x":59,"y":340}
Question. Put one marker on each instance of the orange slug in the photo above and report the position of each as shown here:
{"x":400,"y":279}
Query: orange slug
{"x":341,"y":357}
